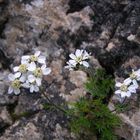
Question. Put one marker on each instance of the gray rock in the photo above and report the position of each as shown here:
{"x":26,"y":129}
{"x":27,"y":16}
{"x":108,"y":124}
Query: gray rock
{"x":5,"y":118}
{"x":109,"y":30}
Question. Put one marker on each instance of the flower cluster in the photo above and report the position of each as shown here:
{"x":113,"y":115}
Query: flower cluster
{"x":79,"y":58}
{"x":129,"y":85}
{"x":29,"y":73}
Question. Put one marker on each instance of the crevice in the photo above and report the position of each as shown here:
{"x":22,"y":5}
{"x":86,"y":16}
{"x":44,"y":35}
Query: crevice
{"x":3,"y":128}
{"x":78,"y":5}
{"x":27,"y":1}
{"x":3,"y":4}
{"x":2,"y":27}
{"x":11,"y":107}
{"x":123,"y":17}
{"x":26,"y":114}
{"x":5,"y":61}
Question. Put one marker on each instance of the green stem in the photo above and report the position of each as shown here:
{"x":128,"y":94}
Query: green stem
{"x":122,"y":104}
{"x":54,"y":105}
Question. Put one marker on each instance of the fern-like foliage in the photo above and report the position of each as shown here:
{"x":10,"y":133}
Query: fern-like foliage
{"x":100,"y":84}
{"x":91,"y":114}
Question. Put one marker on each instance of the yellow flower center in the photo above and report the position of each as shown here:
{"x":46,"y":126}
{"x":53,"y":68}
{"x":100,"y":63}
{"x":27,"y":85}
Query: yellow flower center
{"x":22,"y":68}
{"x":33,"y":58}
{"x":133,"y":75}
{"x":38,"y":72}
{"x":124,"y":88}
{"x":16,"y":84}
{"x":79,"y":59}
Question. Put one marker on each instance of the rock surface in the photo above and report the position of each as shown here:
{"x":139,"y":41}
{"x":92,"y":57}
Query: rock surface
{"x":109,"y":29}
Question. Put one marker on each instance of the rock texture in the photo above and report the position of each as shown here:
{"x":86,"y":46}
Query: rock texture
{"x":109,"y":29}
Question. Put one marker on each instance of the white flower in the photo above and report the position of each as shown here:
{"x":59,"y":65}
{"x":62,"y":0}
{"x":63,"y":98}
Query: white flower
{"x":70,"y":66}
{"x":29,"y":73}
{"x":36,"y":80}
{"x":23,"y":70}
{"x":31,"y":67}
{"x":39,"y":72}
{"x":78,"y":58}
{"x":32,"y":86}
{"x":125,"y":89}
{"x":36,"y":77}
{"x":25,"y":59}
{"x":134,"y":77}
{"x":33,"y":58}
{"x":33,"y":83}
{"x":15,"y":83}
{"x":45,"y":70}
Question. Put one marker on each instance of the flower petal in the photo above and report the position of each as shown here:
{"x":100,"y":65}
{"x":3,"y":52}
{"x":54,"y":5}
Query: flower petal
{"x":31,"y":66}
{"x":16,"y":91}
{"x":10,"y":90}
{"x":31,"y":78}
{"x":85,"y":55}
{"x":22,"y":78}
{"x":11,"y":77}
{"x":118,"y":92}
{"x":72,"y":62}
{"x":127,"y":81}
{"x":25,"y":57}
{"x":17,"y":75}
{"x":36,"y":88}
{"x":70,"y":67}
{"x":128,"y":94}
{"x":118,"y":84}
{"x":78,"y":53}
{"x":135,"y":83}
{"x":123,"y":94}
{"x":42,"y":59}
{"x":86,"y":64}
{"x":26,"y":85}
{"x":16,"y":68}
{"x":38,"y":81}
{"x":37,"y":53}
{"x":43,"y":67}
{"x":32,"y":88}
{"x":72,"y":56}
{"x":138,"y":78}
{"x":132,"y":89}
{"x":46,"y":71}
{"x":24,"y":61}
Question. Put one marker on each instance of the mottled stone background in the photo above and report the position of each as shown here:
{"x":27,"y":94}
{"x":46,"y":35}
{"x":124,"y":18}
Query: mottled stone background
{"x":109,"y":29}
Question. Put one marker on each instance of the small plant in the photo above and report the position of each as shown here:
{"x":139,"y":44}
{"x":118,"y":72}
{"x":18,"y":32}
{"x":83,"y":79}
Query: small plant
{"x":29,"y":73}
{"x":100,"y":84}
{"x":91,"y":114}
{"x":93,"y":118}
{"x":129,"y":85}
{"x":78,"y":59}
{"x":121,"y":107}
